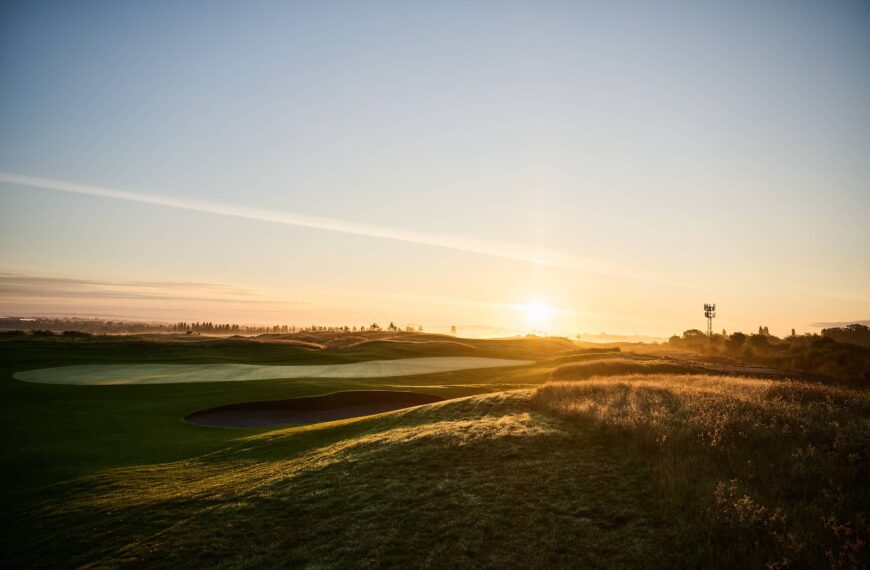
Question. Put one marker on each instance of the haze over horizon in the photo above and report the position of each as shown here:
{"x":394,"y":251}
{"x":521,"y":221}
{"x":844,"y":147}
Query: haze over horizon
{"x":562,"y":167}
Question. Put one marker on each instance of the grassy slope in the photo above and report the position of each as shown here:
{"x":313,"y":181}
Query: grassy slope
{"x":484,"y":481}
{"x":620,"y":364}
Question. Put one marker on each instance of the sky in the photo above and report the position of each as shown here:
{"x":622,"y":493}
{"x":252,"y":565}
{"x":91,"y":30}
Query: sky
{"x":505,"y":167}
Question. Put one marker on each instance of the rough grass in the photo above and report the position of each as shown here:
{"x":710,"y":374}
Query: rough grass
{"x":596,"y":365}
{"x":760,"y":473}
{"x":482,"y":482}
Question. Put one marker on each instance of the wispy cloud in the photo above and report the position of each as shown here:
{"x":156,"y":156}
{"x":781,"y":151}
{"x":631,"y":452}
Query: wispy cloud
{"x":504,"y":250}
{"x":834,"y":324}
{"x":14,"y":287}
{"x":492,"y":248}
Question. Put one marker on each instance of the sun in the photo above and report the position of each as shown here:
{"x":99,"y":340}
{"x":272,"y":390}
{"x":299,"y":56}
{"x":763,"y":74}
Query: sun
{"x":537,"y":313}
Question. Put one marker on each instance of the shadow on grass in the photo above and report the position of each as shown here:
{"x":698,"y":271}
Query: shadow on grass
{"x":484,"y":481}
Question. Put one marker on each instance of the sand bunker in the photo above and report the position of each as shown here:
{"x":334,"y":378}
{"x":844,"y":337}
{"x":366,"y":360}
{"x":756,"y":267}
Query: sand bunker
{"x":302,"y":411}
{"x":104,"y":374}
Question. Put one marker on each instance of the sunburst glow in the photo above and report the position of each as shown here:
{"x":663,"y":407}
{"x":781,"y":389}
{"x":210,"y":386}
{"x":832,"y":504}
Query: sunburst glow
{"x":537,"y":313}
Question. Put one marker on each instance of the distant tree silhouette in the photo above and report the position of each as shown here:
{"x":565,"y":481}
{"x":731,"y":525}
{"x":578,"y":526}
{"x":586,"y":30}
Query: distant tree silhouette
{"x":694,"y":334}
{"x":759,"y":341}
{"x":736,"y":341}
{"x":854,"y":333}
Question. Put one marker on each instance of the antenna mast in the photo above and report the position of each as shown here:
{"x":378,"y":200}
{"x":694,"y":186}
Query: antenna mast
{"x":710,"y":313}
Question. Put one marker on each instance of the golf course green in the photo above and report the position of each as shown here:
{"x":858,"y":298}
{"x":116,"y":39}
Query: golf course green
{"x":103,"y":374}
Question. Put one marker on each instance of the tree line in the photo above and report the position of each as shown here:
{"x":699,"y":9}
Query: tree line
{"x":826,"y":354}
{"x":49,"y":325}
{"x":230,"y":328}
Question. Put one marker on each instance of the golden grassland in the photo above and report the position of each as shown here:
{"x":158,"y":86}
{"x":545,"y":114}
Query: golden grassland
{"x":766,"y":473}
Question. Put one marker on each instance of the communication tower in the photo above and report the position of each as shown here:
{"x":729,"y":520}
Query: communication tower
{"x":710,"y":313}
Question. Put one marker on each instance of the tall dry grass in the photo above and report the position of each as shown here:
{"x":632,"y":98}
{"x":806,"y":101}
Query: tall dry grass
{"x":760,"y":473}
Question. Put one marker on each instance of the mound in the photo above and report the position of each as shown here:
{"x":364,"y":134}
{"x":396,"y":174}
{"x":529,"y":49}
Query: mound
{"x":605,"y":366}
{"x":303,"y":411}
{"x":585,"y":356}
{"x":528,"y":346}
{"x":418,"y":346}
{"x":289,"y":339}
{"x":478,"y":482}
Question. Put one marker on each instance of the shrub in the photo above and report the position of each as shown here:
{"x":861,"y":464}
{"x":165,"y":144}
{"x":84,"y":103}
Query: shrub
{"x":40,"y":332}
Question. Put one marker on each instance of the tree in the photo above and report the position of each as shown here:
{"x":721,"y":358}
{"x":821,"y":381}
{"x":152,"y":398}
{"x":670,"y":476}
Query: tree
{"x":759,"y":341}
{"x":735,"y":341}
{"x":694,"y":334}
{"x":854,"y":333}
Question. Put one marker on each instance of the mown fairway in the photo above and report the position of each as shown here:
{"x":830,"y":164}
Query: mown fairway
{"x":655,"y":470}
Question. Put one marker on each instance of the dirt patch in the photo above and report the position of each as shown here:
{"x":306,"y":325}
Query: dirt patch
{"x":303,"y":411}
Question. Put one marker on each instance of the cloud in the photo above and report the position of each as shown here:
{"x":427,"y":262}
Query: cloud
{"x":497,"y":249}
{"x":15,"y":287}
{"x":500,"y":249}
{"x":835,"y":324}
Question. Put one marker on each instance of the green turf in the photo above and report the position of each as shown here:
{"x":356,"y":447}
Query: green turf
{"x":114,"y":374}
{"x":57,"y":432}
